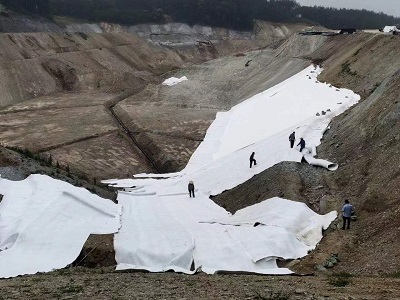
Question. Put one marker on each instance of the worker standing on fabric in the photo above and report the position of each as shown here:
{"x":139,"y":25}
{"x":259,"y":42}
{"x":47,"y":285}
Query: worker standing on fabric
{"x":347,"y":210}
{"x":292,"y":138}
{"x":191,"y":189}
{"x":252,"y":160}
{"x":302,"y":144}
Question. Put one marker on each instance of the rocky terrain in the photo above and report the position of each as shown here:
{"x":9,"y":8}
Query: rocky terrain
{"x":90,"y":97}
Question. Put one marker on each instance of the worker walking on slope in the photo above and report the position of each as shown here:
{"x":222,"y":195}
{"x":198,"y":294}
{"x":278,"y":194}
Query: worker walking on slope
{"x":252,"y":160}
{"x":292,"y":138}
{"x":191,"y":189}
{"x":302,"y":144}
{"x":347,"y":210}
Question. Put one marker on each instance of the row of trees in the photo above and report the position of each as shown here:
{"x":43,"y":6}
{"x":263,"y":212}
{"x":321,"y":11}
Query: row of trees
{"x":40,"y":7}
{"x":344,"y":18}
{"x":237,"y":14}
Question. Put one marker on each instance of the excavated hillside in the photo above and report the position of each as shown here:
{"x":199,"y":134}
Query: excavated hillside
{"x":59,"y":90}
{"x":365,"y":142}
{"x":172,"y":121}
{"x":95,"y":103}
{"x":90,"y":95}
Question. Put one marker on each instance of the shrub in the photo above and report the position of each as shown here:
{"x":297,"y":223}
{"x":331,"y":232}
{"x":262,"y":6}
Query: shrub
{"x":341,"y":279}
{"x":273,"y":296}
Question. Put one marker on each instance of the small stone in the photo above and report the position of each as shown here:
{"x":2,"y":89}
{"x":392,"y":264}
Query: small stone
{"x":320,"y":268}
{"x":333,"y":260}
{"x":300,"y":291}
{"x":328,"y":264}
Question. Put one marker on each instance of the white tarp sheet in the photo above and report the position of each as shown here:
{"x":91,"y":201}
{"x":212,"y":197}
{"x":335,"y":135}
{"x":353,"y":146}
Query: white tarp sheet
{"x":173,"y":233}
{"x":390,"y":29}
{"x":191,"y":231}
{"x":45,"y":222}
{"x":173,"y":80}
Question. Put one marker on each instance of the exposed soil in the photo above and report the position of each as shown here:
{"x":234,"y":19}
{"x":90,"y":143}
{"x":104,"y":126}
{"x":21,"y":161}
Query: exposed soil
{"x":78,"y":130}
{"x":17,"y":166}
{"x":77,"y":283}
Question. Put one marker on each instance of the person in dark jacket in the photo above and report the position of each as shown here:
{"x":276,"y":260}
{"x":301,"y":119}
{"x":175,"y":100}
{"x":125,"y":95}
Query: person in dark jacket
{"x":252,"y":160}
{"x":302,"y":144}
{"x":292,"y":138}
{"x":191,"y":189}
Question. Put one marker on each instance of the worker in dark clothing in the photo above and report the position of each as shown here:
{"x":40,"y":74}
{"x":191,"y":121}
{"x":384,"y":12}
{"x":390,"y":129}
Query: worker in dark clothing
{"x":292,"y":138}
{"x":302,"y":144}
{"x":252,"y":160}
{"x":191,"y":189}
{"x":347,"y":211}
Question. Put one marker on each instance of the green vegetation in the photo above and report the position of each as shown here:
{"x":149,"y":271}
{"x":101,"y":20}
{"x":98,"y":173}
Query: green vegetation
{"x":393,"y":275}
{"x":273,"y":296}
{"x":341,"y":279}
{"x":237,"y":14}
{"x":71,"y":289}
{"x":40,"y":7}
{"x":346,"y":18}
{"x":346,"y":69}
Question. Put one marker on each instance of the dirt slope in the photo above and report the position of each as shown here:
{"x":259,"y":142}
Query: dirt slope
{"x":58,"y":88}
{"x":213,"y":86}
{"x":365,"y":142}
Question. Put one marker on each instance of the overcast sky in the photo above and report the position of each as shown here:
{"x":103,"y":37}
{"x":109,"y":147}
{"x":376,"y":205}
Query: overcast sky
{"x":390,"y":7}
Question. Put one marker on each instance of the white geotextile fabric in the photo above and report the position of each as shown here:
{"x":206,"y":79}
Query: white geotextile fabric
{"x":173,"y":80}
{"x":295,"y":217}
{"x":389,"y":29}
{"x":173,"y":233}
{"x":45,"y":222}
{"x":204,"y":231}
{"x":261,"y":124}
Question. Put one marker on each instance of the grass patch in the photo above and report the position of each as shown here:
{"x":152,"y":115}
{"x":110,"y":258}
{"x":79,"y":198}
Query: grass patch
{"x":346,"y":69}
{"x":71,"y":289}
{"x":394,"y":274}
{"x":273,"y":296}
{"x":37,"y":279}
{"x":341,"y":279}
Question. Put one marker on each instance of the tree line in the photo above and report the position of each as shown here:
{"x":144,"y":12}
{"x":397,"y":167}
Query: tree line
{"x":346,"y":18}
{"x":235,"y":14}
{"x":39,"y":7}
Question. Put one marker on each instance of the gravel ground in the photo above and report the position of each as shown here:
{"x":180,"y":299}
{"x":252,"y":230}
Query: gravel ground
{"x":12,"y":173}
{"x":105,"y":284}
